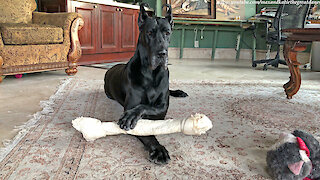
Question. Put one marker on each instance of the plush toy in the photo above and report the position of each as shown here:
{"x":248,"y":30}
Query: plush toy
{"x":295,"y":156}
{"x":93,"y":129}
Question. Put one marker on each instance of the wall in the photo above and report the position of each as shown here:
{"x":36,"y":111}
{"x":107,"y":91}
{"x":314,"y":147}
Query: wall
{"x":37,"y":4}
{"x":225,"y":39}
{"x":152,"y":3}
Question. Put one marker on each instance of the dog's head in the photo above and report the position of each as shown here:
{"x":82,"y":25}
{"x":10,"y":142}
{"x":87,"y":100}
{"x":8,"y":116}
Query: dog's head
{"x":154,"y":36}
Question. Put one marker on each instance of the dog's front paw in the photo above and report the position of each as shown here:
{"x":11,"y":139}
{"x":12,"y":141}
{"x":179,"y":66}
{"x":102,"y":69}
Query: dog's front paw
{"x":159,"y":155}
{"x":129,"y":119}
{"x":178,"y":93}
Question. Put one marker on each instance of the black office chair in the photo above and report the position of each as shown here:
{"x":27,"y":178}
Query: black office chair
{"x":287,"y":16}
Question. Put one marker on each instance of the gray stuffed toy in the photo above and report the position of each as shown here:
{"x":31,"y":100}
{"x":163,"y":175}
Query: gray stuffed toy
{"x":295,"y":156}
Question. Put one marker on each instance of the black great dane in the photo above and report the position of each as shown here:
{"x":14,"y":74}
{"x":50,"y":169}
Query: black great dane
{"x":142,"y":85}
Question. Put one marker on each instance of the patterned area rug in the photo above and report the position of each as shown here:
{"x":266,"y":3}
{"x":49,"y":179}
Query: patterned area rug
{"x":247,"y":119}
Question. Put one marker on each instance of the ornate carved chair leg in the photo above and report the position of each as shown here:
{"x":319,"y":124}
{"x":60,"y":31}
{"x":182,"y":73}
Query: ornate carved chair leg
{"x":1,"y":64}
{"x":75,"y":50}
{"x":1,"y":78}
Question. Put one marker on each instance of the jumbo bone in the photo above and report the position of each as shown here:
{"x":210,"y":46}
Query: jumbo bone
{"x":93,"y":129}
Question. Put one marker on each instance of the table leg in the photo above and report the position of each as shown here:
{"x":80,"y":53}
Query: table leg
{"x":238,"y":45}
{"x":290,"y":54}
{"x":214,"y":44}
{"x":254,"y":45}
{"x":182,"y":43}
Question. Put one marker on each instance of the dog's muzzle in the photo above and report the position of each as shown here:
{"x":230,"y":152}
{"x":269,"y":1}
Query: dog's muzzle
{"x":159,"y":59}
{"x":163,"y":57}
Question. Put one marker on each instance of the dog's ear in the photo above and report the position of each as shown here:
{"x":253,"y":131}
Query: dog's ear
{"x":169,"y":16}
{"x":142,"y":15}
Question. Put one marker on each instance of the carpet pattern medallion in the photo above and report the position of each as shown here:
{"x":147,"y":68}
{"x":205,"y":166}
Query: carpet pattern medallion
{"x":247,"y":119}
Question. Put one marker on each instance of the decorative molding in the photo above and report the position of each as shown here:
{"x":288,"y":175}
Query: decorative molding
{"x":75,"y":47}
{"x":33,"y":68}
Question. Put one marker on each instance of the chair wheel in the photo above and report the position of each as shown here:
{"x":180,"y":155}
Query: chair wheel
{"x":265,"y":67}
{"x":254,"y":64}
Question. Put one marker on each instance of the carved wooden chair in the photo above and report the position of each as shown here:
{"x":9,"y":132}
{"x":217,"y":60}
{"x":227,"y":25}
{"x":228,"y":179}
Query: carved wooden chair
{"x":33,"y":41}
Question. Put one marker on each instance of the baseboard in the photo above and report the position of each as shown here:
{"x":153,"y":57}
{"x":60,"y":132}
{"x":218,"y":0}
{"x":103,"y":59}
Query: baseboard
{"x":204,"y":53}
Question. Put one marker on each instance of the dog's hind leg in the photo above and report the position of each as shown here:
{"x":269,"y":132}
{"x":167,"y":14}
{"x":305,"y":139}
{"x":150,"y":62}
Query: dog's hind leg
{"x":158,"y":154}
{"x":178,"y":93}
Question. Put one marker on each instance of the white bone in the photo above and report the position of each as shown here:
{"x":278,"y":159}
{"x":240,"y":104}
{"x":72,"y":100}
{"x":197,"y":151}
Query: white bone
{"x":93,"y":129}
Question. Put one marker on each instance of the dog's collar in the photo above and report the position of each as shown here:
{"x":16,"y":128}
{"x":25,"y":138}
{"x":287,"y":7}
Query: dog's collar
{"x":303,"y":147}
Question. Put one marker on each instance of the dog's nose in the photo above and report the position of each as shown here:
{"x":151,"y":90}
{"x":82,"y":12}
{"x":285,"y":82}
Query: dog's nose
{"x":162,"y":53}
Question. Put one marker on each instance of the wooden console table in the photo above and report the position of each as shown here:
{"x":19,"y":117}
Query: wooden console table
{"x":297,"y":40}
{"x":215,"y":26}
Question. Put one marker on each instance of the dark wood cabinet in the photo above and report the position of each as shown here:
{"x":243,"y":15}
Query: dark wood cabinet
{"x":109,"y":29}
{"x":110,"y":33}
{"x":129,"y":19}
{"x":87,"y":35}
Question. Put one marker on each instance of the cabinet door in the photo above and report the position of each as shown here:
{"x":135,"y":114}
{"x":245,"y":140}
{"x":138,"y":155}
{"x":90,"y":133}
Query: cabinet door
{"x":88,"y":34}
{"x":108,"y":39}
{"x":129,"y":29}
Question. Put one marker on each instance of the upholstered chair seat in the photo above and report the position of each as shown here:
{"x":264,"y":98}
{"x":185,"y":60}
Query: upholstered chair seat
{"x":27,"y":34}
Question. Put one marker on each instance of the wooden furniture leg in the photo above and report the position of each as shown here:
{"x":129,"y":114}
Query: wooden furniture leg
{"x":75,"y":51}
{"x":290,"y":54}
{"x":286,"y":52}
{"x":238,"y":45}
{"x":182,"y":43}
{"x":254,"y":45}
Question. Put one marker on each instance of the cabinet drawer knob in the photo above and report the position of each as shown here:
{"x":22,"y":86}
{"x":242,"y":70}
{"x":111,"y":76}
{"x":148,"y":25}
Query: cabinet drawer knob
{"x":95,"y":6}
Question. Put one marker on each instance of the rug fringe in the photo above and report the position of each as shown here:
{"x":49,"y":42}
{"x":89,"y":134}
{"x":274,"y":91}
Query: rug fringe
{"x":47,"y":107}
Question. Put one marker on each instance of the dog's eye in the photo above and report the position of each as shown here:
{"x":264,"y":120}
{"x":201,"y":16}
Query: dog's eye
{"x":149,"y":33}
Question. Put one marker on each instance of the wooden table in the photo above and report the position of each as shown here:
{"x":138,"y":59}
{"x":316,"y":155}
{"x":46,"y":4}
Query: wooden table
{"x":297,"y":40}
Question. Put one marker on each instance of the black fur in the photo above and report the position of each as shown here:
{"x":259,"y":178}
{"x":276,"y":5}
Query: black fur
{"x":142,"y":85}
